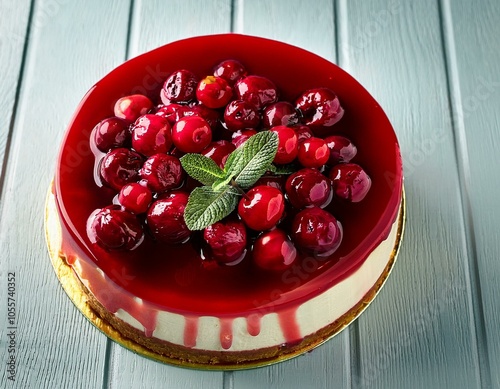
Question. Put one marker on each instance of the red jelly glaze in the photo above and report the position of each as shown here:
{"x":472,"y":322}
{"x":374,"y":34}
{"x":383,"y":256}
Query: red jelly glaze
{"x":151,"y":273}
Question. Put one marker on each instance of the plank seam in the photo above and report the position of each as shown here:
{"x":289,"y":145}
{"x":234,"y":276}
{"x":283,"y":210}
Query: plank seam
{"x":106,"y":376}
{"x":476,"y":308}
{"x":17,"y":96}
{"x":129,"y":29}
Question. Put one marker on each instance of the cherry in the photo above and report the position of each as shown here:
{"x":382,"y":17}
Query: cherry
{"x":214,"y":92}
{"x":240,"y":137}
{"x":288,"y":146}
{"x":114,"y":229}
{"x":131,"y":107}
{"x":180,"y":87}
{"x":273,"y":250}
{"x":219,"y":151}
{"x":135,"y":198}
{"x":316,"y":232}
{"x":230,"y":70}
{"x":313,"y":152}
{"x":308,"y":187}
{"x":303,"y":132}
{"x":225,"y":241}
{"x":172,"y":112}
{"x":277,"y":182}
{"x":281,"y":113}
{"x":350,"y":182}
{"x":262,"y":207}
{"x":119,"y":167}
{"x":320,"y":109}
{"x":260,"y":91}
{"x":191,"y":134}
{"x":342,"y":150}
{"x":111,"y":133}
{"x":210,"y":115}
{"x":151,"y":135}
{"x":240,"y":114}
{"x":165,"y":218}
{"x":162,"y":172}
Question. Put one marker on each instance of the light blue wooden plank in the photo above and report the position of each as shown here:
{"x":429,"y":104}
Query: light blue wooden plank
{"x":155,"y":23}
{"x":13,"y":26}
{"x":418,"y":333}
{"x":310,"y":25}
{"x":71,"y":45}
{"x":474,"y":67}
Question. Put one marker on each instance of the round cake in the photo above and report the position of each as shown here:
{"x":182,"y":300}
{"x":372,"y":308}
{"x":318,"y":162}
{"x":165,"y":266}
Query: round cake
{"x":225,"y":202}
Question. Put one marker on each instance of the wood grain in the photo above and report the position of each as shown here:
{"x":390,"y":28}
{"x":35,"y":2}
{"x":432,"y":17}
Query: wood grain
{"x":13,"y":28}
{"x":473,"y":66}
{"x":71,"y":44}
{"x":418,"y":332}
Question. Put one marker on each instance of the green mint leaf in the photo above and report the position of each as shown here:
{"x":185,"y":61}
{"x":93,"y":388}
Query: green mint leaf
{"x":206,"y":206}
{"x":221,"y":183}
{"x":252,"y":159}
{"x":283,"y":169}
{"x":202,"y":168}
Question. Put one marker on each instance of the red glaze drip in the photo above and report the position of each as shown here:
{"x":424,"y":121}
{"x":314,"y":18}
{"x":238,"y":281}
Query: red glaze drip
{"x":253,"y":324}
{"x":226,"y":333}
{"x":289,"y":325}
{"x":113,"y":299}
{"x":190,"y":331}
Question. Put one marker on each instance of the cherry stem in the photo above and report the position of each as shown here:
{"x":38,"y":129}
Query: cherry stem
{"x":238,"y":188}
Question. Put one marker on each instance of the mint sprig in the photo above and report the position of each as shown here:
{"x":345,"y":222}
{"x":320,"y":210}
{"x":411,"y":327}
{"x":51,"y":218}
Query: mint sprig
{"x":222,"y":187}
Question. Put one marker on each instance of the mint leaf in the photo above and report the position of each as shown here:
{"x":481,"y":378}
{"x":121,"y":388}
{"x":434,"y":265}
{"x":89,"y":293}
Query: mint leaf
{"x":202,"y":168}
{"x":252,"y":159}
{"x":221,"y":182}
{"x":283,"y":169}
{"x":206,"y":206}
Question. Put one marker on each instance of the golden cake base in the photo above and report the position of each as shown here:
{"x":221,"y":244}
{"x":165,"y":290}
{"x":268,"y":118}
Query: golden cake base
{"x":85,"y":302}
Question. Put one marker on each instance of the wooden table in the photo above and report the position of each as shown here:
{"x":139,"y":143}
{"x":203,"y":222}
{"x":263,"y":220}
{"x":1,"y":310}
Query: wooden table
{"x":434,"y":65}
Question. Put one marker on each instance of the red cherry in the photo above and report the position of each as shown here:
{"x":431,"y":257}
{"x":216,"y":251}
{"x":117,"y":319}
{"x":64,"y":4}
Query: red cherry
{"x":313,"y":152}
{"x":260,"y":91}
{"x":214,"y":92}
{"x":230,"y":70}
{"x":114,"y":229}
{"x":281,"y":113}
{"x":225,"y":241}
{"x":262,"y":207}
{"x":277,"y":182}
{"x":240,"y":137}
{"x":191,"y":134}
{"x":180,"y":87}
{"x":219,"y":151}
{"x":303,"y":132}
{"x":111,"y":133}
{"x":131,"y":107}
{"x":151,"y":135}
{"x":166,"y":218}
{"x":342,"y":150}
{"x":135,"y":198}
{"x":241,"y":114}
{"x":172,"y":112}
{"x":273,"y":250}
{"x":162,"y":172}
{"x":350,"y":182}
{"x":308,"y":187}
{"x":288,"y":146}
{"x":119,"y":167}
{"x":320,"y":109}
{"x":316,"y":232}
